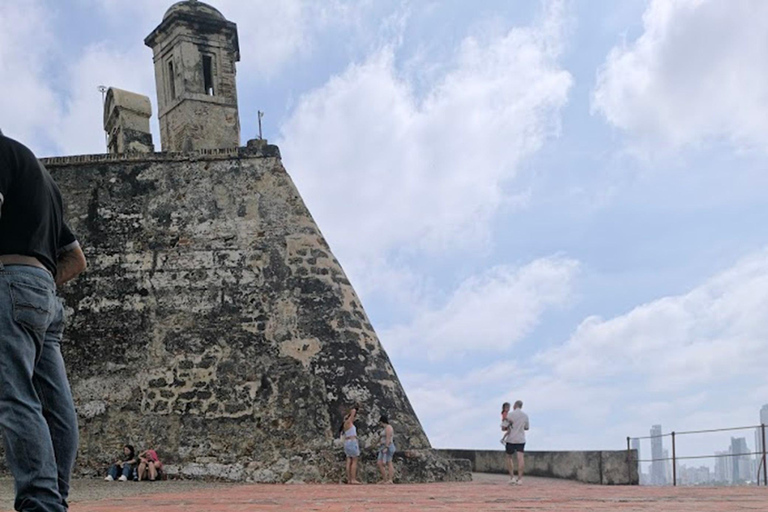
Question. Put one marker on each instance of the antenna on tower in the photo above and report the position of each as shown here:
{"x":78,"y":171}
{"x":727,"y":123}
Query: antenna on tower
{"x":103,"y":90}
{"x":261,"y":114}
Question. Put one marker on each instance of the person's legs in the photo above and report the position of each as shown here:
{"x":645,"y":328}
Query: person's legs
{"x":112,"y":473}
{"x":382,"y":467}
{"x":52,"y":386}
{"x":510,"y":454}
{"x":27,"y":302}
{"x":390,"y":463}
{"x":152,"y":471}
{"x":353,"y":471}
{"x":142,"y":471}
{"x":349,"y":470}
{"x":520,"y":465}
{"x":127,"y":471}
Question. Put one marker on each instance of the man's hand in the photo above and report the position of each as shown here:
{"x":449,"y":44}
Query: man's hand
{"x":70,"y":265}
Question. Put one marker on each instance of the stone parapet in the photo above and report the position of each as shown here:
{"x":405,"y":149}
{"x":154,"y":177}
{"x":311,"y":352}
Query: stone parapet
{"x":594,"y":467}
{"x":252,"y":151}
{"x":327,"y":466}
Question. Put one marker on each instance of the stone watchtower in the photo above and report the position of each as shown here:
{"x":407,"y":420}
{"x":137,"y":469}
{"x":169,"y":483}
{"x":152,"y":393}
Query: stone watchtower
{"x":195,"y":51}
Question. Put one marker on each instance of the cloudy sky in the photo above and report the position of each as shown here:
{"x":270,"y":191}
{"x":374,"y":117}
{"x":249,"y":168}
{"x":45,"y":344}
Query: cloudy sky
{"x":561,"y":202}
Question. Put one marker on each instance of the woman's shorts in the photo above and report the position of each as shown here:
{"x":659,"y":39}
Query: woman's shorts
{"x":351,"y":448}
{"x":513,"y":448}
{"x":386,"y":457}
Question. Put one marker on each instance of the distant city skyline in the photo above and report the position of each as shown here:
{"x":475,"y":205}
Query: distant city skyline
{"x":737,"y":464}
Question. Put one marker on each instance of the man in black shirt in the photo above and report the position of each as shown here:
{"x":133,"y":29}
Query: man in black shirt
{"x":37,"y":252}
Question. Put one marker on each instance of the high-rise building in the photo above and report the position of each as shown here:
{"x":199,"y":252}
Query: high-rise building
{"x":658,"y":471}
{"x":742,"y":464}
{"x":723,"y":467}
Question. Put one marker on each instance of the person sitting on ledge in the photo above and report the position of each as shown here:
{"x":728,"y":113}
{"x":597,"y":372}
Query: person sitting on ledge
{"x":149,"y":465}
{"x":123,"y":467}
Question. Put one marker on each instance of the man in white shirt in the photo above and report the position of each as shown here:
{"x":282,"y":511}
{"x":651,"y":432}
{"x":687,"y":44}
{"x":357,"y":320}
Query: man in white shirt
{"x":518,"y":424}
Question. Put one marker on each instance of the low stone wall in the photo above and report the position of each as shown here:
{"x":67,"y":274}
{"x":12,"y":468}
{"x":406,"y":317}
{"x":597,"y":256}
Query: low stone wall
{"x":594,"y":467}
{"x":327,"y":466}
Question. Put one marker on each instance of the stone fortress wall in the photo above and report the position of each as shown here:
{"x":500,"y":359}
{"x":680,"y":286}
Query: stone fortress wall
{"x":215,"y":324}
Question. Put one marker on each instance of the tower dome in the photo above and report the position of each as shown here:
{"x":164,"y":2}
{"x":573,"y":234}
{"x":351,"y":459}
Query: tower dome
{"x":194,"y":8}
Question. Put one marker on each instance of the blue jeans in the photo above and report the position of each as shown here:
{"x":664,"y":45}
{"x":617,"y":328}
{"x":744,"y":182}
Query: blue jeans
{"x":37,"y":413}
{"x":115,"y":471}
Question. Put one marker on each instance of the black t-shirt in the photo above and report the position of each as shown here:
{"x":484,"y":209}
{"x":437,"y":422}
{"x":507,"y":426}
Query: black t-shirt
{"x":31,"y":214}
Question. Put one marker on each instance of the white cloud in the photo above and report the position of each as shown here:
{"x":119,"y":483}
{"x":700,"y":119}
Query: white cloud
{"x":27,"y":101}
{"x":271,"y":33}
{"x":53,"y":106}
{"x":79,"y":128}
{"x":689,"y":362}
{"x":717,"y":331}
{"x":486,"y":313}
{"x":698,"y":72}
{"x":382,"y":167}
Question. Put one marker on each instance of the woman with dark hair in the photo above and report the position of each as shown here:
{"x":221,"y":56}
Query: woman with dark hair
{"x":386,"y":451}
{"x":351,"y":446}
{"x":123,"y":467}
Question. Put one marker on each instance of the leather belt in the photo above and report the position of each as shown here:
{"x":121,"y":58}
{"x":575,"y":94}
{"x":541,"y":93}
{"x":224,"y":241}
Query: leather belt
{"x":19,"y":259}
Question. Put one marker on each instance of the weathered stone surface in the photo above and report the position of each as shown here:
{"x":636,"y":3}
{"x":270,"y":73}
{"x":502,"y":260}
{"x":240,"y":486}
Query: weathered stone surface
{"x":215,"y":324}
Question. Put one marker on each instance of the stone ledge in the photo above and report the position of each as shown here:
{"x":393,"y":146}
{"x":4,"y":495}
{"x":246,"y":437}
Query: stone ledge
{"x":251,"y":151}
{"x":322,"y":466}
{"x":594,"y":467}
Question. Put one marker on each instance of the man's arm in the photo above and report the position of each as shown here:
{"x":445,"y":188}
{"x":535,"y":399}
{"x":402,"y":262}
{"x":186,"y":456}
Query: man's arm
{"x":70,"y":265}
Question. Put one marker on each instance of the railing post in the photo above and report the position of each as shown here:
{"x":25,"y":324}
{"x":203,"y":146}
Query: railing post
{"x":629,"y":463}
{"x":765,"y":463}
{"x":674,"y":461}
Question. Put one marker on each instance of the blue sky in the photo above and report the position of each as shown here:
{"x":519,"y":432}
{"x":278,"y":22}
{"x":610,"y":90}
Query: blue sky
{"x":562,"y":202}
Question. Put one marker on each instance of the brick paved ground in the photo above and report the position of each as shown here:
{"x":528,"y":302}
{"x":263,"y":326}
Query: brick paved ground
{"x":487,"y":493}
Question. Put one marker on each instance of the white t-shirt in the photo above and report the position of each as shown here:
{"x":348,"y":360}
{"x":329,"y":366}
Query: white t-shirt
{"x":518,"y":424}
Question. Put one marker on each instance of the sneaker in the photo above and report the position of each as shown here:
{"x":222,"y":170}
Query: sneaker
{"x":513,"y":481}
{"x":519,"y":482}
{"x":123,"y":478}
{"x":109,"y":478}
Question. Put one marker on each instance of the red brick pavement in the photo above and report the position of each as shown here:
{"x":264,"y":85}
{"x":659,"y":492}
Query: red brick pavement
{"x":490,"y":494}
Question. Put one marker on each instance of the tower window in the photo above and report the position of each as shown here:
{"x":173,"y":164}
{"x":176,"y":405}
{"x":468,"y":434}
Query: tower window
{"x":171,"y":80}
{"x":208,"y":75}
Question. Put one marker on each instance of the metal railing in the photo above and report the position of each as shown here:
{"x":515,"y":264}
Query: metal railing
{"x":762,"y":468}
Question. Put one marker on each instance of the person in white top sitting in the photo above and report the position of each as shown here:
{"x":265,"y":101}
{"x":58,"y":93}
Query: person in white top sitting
{"x":518,"y":424}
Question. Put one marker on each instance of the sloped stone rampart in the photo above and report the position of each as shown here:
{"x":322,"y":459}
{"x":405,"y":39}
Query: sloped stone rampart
{"x":215,"y":324}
